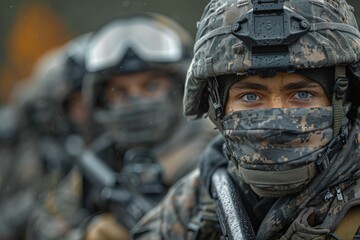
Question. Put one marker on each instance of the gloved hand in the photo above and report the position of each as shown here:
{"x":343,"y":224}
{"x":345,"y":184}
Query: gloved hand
{"x":105,"y":227}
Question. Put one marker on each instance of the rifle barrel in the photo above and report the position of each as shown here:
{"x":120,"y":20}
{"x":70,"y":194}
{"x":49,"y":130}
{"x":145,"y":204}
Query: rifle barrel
{"x":234,"y":221}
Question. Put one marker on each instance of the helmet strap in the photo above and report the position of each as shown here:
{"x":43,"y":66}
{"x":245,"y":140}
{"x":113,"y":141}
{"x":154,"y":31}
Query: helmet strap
{"x":216,"y":110}
{"x":339,"y":133}
{"x":339,"y":95}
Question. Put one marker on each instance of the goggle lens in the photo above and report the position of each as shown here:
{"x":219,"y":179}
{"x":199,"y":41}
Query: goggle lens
{"x":151,"y":43}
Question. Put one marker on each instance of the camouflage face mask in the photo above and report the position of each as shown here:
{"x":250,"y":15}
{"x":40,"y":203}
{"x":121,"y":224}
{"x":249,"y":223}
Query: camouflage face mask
{"x":140,"y":122}
{"x":274,"y":149}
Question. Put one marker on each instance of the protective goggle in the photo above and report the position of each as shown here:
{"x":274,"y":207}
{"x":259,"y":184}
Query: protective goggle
{"x":151,"y":43}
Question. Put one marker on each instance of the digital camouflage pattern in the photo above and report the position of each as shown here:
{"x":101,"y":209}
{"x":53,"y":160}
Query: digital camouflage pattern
{"x":320,"y":195}
{"x":342,"y":173}
{"x":266,"y":139}
{"x":170,"y":219}
{"x":333,"y":38}
{"x":311,"y":213}
{"x":274,"y":149}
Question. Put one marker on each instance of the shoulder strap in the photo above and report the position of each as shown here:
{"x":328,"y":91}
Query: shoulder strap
{"x":205,"y":224}
{"x":350,"y":225}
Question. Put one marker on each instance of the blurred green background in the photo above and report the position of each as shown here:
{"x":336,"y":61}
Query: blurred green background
{"x":28,"y":28}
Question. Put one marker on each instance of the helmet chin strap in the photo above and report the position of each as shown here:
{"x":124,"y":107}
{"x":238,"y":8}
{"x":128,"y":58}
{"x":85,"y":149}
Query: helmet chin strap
{"x":216,"y":109}
{"x":339,"y":134}
{"x":339,"y":95}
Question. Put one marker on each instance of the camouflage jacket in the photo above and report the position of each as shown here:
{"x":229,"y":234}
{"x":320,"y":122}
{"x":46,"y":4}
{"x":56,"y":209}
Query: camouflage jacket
{"x":60,"y":214}
{"x":170,"y":219}
{"x":184,"y":205}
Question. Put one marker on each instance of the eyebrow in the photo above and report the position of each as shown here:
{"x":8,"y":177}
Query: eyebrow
{"x":290,"y":86}
{"x":301,"y":84}
{"x":250,"y":85}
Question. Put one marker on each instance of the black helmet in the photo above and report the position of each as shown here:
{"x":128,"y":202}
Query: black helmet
{"x":55,"y":77}
{"x":133,"y":44}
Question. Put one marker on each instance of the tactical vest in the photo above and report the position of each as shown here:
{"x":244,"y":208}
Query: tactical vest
{"x":344,"y":214}
{"x":205,"y":225}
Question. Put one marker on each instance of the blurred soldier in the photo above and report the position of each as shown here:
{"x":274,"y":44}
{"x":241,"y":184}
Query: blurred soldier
{"x":40,"y":158}
{"x":25,"y":171}
{"x":136,"y":69}
{"x":9,"y":133}
{"x":9,"y":139}
{"x":279,"y":79}
{"x":137,"y":66}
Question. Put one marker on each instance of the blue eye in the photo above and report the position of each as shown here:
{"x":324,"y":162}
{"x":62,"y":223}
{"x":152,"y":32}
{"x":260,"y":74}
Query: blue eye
{"x":152,"y":86}
{"x":250,"y":97}
{"x":303,"y":95}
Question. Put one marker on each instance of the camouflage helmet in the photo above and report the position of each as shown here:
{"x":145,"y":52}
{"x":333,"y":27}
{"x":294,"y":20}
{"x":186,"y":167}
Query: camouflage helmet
{"x":244,"y":37}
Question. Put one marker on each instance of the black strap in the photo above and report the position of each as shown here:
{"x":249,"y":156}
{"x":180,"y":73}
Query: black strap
{"x":331,"y":149}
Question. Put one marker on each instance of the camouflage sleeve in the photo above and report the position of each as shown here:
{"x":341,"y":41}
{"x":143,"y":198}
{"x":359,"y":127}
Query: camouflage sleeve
{"x":170,"y":218}
{"x":60,"y":215}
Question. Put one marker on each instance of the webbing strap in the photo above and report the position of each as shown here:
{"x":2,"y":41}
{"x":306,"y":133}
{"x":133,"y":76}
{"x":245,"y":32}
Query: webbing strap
{"x":338,"y":98}
{"x":214,"y":33}
{"x":216,"y":110}
{"x":204,"y":220}
{"x":337,"y":116}
{"x":297,"y":176}
{"x":350,"y":224}
{"x":334,"y":26}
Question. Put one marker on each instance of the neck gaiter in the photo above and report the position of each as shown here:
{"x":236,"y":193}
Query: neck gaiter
{"x":274,"y":149}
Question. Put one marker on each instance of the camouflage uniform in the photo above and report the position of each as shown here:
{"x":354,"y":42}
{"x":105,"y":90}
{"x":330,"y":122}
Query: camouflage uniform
{"x":175,"y":217}
{"x":296,"y":170}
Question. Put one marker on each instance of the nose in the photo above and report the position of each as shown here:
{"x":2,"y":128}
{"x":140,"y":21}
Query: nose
{"x":275,"y":102}
{"x":135,"y":91}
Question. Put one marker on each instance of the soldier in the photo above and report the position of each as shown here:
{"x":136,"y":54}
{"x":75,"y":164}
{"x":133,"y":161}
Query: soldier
{"x":279,"y":80}
{"x":134,"y":88}
{"x":52,"y":106}
{"x":39,"y":156}
{"x":136,"y":66}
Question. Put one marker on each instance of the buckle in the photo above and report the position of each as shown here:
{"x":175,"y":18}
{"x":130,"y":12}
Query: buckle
{"x":340,"y":87}
{"x":334,"y":146}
